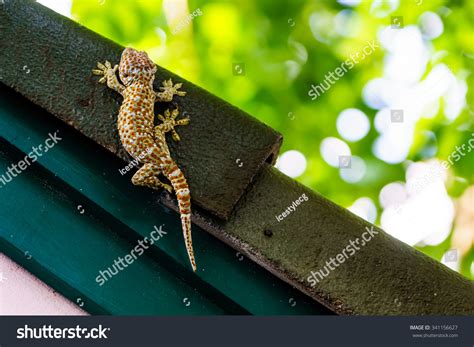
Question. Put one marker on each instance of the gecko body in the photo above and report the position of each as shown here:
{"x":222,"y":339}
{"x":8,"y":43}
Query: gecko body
{"x":143,"y":140}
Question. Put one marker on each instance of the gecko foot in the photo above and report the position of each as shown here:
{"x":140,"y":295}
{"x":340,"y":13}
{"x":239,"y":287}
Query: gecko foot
{"x":105,"y":70}
{"x":169,"y":123}
{"x":168,"y":91}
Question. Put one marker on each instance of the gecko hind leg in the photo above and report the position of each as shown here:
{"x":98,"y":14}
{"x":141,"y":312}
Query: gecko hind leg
{"x":147,"y":176}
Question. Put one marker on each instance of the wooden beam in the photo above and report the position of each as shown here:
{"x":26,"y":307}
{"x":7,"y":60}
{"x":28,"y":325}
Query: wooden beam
{"x":48,"y":58}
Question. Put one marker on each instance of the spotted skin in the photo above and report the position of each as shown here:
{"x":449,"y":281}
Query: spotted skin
{"x":140,"y":138}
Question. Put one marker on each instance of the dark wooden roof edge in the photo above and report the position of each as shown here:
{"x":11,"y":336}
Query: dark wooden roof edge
{"x":48,"y":59}
{"x":384,"y":277}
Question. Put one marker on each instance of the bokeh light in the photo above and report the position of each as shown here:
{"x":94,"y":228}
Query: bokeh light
{"x":365,"y":208}
{"x":426,"y":215}
{"x":291,"y":163}
{"x":332,"y":148}
{"x":355,"y":172}
{"x":352,"y":124}
{"x":431,"y":25}
{"x":393,"y":194}
{"x":62,"y":6}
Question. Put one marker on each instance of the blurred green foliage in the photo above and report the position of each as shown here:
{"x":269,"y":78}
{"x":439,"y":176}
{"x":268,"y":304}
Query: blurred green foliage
{"x":282,"y":55}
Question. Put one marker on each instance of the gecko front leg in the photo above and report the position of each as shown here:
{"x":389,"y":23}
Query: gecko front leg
{"x":168,"y":91}
{"x":108,"y":74}
{"x":169,"y":123}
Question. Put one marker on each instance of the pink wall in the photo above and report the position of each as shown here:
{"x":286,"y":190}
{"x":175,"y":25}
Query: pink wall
{"x":23,"y":294}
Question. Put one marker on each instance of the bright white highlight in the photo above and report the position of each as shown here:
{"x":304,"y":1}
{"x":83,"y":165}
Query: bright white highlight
{"x":356,"y":172}
{"x":352,"y":124}
{"x":60,"y":6}
{"x":431,"y":25}
{"x":332,"y":148}
{"x":426,"y":215}
{"x":365,"y":208}
{"x":291,"y":163}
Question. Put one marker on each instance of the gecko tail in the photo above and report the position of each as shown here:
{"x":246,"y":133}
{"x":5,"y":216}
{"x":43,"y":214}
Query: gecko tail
{"x":181,"y":188}
{"x":186,"y":225}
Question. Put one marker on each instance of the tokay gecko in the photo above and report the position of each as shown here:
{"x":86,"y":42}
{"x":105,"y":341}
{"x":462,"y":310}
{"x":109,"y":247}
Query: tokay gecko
{"x":140,"y":138}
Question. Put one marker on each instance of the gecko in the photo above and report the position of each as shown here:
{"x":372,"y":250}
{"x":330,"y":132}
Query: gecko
{"x":141,"y":139}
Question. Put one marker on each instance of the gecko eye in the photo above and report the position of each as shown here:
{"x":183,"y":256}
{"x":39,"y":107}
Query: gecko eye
{"x":125,"y":77}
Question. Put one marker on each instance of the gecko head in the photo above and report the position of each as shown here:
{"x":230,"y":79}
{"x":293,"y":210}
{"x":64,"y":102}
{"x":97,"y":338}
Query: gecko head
{"x":136,"y":66}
